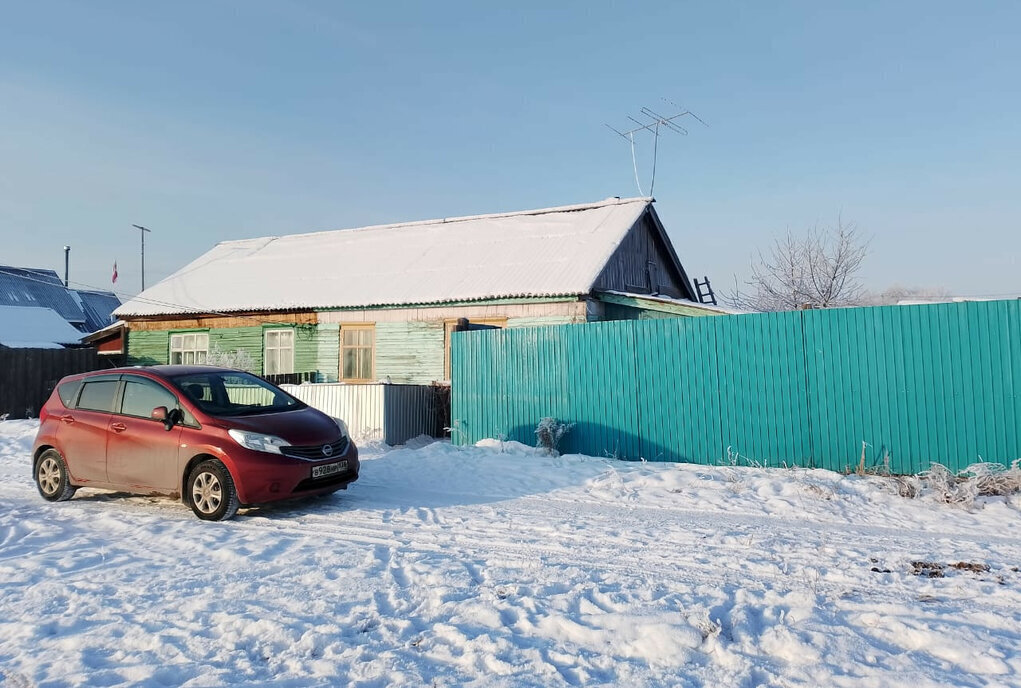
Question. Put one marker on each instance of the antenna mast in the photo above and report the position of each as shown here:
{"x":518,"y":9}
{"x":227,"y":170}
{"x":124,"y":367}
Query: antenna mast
{"x":652,"y":124}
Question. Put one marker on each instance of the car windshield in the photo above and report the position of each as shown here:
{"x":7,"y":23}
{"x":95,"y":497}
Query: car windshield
{"x":233,"y":393}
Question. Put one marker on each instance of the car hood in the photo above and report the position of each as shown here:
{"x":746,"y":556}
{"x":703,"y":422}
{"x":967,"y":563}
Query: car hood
{"x":301,"y":427}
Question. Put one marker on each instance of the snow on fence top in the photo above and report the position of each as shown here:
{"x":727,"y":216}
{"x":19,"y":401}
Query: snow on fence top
{"x":534,"y":253}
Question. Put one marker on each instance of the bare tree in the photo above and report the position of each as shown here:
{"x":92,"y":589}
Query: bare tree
{"x":817,"y":270}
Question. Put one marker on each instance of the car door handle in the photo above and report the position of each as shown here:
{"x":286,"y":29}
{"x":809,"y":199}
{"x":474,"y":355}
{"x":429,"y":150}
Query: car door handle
{"x":118,"y":427}
{"x":67,"y":419}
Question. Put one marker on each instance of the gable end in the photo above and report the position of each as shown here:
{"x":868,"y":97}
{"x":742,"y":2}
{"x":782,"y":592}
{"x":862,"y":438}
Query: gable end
{"x":645,"y":263}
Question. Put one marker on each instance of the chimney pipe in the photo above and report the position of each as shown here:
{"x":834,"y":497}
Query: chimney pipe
{"x":67,"y":263}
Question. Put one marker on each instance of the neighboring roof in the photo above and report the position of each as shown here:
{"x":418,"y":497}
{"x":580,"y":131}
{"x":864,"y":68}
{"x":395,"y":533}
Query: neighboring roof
{"x":29,"y":327}
{"x":98,"y":307}
{"x":536,"y":253}
{"x":38,"y":288}
{"x":114,"y":329}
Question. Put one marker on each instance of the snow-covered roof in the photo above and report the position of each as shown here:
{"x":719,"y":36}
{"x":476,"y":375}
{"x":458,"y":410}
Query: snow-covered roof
{"x":536,"y":253}
{"x":32,"y":327}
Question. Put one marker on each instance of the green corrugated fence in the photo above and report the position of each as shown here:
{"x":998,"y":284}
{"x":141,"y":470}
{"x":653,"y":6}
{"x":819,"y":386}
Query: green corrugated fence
{"x":915,"y":384}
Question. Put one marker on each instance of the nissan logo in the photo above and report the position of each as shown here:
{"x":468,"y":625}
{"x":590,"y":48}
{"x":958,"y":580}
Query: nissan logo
{"x":327,"y":450}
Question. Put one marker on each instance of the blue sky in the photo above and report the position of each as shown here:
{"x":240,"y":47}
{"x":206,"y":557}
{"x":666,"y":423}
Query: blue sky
{"x":219,"y":120}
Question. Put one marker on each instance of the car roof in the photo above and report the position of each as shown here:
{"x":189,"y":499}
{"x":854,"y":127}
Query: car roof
{"x":163,"y":371}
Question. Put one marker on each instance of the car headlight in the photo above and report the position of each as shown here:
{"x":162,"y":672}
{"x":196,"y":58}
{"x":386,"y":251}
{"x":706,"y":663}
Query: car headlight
{"x":257,"y":441}
{"x":342,"y":425}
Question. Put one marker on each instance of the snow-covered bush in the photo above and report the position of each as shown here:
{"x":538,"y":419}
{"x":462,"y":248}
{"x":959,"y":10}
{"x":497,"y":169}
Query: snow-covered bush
{"x":549,"y":433}
{"x":238,"y":359}
{"x":982,"y":479}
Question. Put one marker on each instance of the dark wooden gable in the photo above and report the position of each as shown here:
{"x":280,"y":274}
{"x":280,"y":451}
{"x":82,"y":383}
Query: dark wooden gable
{"x":645,"y":263}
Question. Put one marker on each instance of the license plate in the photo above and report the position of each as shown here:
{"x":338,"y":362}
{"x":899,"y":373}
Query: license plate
{"x":329,"y":469}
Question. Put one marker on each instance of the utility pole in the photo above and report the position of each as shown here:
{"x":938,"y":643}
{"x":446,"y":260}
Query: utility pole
{"x":143,"y":232}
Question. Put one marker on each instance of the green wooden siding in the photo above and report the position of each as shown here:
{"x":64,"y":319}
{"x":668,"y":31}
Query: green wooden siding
{"x":410,"y":352}
{"x":147,"y":347}
{"x":247,"y":339}
{"x":916,"y":384}
{"x":542,"y":321}
{"x":327,"y":353}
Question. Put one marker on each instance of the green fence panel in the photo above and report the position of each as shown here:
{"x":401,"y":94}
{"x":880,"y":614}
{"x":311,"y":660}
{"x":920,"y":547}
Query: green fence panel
{"x":898,"y":387}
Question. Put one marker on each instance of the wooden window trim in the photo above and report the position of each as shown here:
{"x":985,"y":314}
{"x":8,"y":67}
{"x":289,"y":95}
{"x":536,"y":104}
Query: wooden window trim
{"x":370,"y":327}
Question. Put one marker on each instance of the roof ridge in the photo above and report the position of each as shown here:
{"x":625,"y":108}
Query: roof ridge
{"x":612,"y":200}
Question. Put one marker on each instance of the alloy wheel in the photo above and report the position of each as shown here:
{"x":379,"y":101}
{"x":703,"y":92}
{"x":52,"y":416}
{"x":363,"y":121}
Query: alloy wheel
{"x":206,"y":492}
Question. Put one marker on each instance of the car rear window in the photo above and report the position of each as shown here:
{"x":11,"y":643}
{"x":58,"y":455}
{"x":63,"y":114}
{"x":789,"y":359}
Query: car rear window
{"x":98,"y":395}
{"x":68,"y":391}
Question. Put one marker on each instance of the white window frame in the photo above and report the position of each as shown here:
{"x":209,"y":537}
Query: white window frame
{"x":276,"y":352}
{"x":189,"y":348}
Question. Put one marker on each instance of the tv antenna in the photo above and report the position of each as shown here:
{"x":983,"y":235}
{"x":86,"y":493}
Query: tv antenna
{"x":654,"y":123}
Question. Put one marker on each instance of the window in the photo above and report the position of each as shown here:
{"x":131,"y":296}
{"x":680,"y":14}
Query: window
{"x":356,"y":352}
{"x":142,"y":396}
{"x":98,"y":395}
{"x":278,"y":355}
{"x":234,"y":394}
{"x":451,"y":325}
{"x":189,"y":347}
{"x":68,"y":391}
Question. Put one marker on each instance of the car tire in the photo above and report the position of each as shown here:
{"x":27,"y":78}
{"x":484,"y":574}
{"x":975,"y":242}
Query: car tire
{"x":52,"y":478}
{"x":211,"y":492}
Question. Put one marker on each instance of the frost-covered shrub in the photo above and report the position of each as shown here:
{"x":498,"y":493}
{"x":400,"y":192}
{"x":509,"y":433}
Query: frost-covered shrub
{"x":549,"y":432}
{"x":239,"y":359}
{"x":982,"y":479}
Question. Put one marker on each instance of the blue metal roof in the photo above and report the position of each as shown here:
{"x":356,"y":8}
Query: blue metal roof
{"x":40,"y":288}
{"x":98,"y":307}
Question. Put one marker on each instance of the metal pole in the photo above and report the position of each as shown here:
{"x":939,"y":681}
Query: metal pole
{"x":67,"y":264}
{"x":144,"y":230}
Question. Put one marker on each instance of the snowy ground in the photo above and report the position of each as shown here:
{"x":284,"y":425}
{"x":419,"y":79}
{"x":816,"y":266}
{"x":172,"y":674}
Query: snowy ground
{"x":493,"y":566}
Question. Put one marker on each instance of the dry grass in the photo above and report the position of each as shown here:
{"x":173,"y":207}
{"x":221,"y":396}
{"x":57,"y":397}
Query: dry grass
{"x":981,"y":479}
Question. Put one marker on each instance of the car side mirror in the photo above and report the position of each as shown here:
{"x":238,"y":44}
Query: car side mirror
{"x":169,"y":418}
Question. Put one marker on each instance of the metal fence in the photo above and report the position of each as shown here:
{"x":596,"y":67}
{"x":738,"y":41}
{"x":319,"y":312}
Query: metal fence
{"x":391,"y":413}
{"x":901,"y":386}
{"x":28,"y":376}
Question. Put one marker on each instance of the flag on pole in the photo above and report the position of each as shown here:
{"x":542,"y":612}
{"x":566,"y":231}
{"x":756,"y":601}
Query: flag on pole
{"x":114,"y":272}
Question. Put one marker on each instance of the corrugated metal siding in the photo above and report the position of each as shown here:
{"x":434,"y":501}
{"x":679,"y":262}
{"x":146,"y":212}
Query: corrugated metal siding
{"x":917,"y":384}
{"x":391,"y":413}
{"x":148,"y":347}
{"x":410,"y":352}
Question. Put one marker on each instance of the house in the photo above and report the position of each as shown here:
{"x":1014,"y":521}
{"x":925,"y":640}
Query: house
{"x":84,"y":310}
{"x":381,"y":302}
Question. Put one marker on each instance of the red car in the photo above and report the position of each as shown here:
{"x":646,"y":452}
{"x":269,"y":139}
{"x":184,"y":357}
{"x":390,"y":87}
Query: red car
{"x":216,"y":437}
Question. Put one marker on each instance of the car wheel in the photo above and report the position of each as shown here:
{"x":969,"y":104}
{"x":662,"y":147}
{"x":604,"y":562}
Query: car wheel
{"x":51,"y":477}
{"x":211,"y":492}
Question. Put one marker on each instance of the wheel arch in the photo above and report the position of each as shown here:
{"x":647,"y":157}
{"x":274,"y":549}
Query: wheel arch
{"x":195,"y":461}
{"x":39,"y":451}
